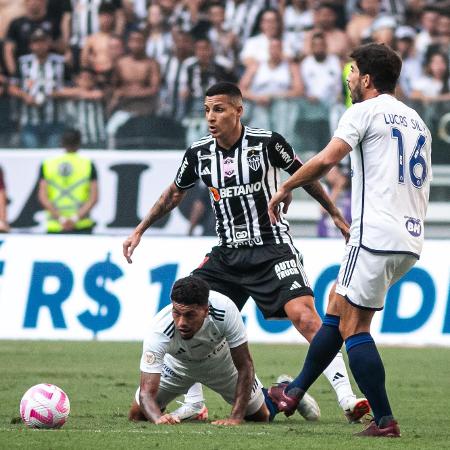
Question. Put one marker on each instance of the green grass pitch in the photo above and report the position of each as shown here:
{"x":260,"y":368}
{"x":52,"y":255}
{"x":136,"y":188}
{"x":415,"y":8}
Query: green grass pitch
{"x":101,"y":377}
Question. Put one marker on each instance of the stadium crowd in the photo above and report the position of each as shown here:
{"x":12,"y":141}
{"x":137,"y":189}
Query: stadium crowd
{"x":132,"y":73}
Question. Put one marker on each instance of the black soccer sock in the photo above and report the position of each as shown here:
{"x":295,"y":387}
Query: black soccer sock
{"x":368,"y":370}
{"x":322,"y":349}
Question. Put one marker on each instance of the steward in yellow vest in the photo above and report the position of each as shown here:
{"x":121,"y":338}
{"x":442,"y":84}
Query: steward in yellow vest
{"x":68,"y":188}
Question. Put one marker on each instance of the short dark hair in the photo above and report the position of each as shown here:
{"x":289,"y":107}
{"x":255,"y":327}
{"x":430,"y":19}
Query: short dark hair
{"x":224,"y":88}
{"x":380,"y":62}
{"x":190,"y":291}
{"x":106,"y":8}
{"x":71,"y":138}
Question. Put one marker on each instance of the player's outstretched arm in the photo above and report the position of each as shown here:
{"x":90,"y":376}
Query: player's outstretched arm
{"x":311,"y":171}
{"x":168,"y":200}
{"x":147,"y":395}
{"x":246,"y":377}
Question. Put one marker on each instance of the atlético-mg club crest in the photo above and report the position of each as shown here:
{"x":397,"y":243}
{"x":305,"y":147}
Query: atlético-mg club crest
{"x":254,"y":161}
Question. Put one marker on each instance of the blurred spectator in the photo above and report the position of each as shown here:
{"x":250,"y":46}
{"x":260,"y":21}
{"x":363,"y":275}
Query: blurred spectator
{"x":171,"y":70}
{"x":96,"y":53}
{"x":433,"y":86}
{"x":9,"y":10}
{"x":136,"y":84}
{"x":382,"y":30}
{"x":338,"y":183}
{"x":136,"y":12}
{"x":242,"y":16}
{"x":40,"y":74}
{"x":256,"y":48}
{"x":83,"y":20}
{"x":428,"y":33}
{"x":297,"y":19}
{"x":189,"y":13}
{"x":68,"y":188}
{"x":359,"y":25}
{"x":17,"y":41}
{"x":411,"y":67}
{"x":116,"y":47}
{"x":4,"y":226}
{"x":159,"y":39}
{"x":201,"y":72}
{"x":443,"y":29}
{"x":325,"y":17}
{"x":268,"y":85}
{"x":85,"y":108}
{"x":222,"y":38}
{"x":8,"y":127}
{"x":321,"y":76}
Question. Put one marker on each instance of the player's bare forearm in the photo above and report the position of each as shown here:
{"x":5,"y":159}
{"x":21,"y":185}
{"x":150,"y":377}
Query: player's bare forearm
{"x":149,"y":407}
{"x":168,"y":200}
{"x":148,"y":390}
{"x":317,"y":192}
{"x":319,"y":165}
{"x":246,"y":377}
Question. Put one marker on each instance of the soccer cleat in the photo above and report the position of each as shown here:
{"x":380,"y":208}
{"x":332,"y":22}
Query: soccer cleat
{"x":191,"y":411}
{"x":356,"y":409}
{"x":391,"y":429}
{"x":308,"y":408}
{"x":285,"y":403}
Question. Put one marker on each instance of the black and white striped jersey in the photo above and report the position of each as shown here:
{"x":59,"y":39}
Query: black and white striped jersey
{"x":89,"y":116}
{"x":171,"y":73}
{"x":241,"y":181}
{"x":41,"y":80}
{"x":84,"y":14}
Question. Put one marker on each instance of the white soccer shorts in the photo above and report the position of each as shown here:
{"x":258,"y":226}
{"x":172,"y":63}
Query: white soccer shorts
{"x":217,"y":372}
{"x":365,"y":277}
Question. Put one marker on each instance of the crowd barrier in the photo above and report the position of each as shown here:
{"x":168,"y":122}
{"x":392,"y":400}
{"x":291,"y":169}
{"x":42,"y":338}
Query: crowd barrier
{"x":82,"y":288}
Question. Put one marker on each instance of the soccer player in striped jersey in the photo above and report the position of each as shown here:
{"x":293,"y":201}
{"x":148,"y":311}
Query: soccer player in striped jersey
{"x":241,"y":168}
{"x":390,"y":149}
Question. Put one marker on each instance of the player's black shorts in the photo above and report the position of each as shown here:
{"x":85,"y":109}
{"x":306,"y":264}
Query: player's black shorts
{"x":271,"y":274}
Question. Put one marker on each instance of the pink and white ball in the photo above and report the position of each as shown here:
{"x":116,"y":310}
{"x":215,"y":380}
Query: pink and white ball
{"x":44,"y":406}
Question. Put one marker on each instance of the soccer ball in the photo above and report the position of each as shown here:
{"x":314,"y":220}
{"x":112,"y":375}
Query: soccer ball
{"x":44,"y":406}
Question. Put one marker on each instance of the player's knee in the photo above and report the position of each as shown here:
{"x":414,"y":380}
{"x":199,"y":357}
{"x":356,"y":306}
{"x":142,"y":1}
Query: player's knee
{"x":305,"y":318}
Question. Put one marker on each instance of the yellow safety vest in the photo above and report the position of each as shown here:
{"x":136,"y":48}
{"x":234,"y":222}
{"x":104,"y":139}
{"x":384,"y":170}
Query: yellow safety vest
{"x":348,"y":97}
{"x":68,"y":187}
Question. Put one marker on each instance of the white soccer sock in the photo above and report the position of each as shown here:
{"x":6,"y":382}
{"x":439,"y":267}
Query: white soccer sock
{"x":337,"y":375}
{"x":194,"y":394}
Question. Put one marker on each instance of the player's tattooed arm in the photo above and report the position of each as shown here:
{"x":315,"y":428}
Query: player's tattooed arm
{"x":246,"y":378}
{"x":147,"y":399}
{"x":168,"y":200}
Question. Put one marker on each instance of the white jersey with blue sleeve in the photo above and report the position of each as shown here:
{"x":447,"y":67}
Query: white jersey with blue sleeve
{"x":391,"y":173}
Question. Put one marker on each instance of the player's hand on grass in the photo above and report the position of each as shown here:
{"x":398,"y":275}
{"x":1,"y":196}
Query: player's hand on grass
{"x":168,"y":419}
{"x":130,"y":243}
{"x":281,"y":196}
{"x":228,"y":422}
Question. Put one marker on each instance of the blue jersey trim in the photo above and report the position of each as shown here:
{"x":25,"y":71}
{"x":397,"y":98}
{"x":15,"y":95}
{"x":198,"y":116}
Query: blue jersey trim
{"x":365,"y":308}
{"x":362,"y":194}
{"x":390,"y":252}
